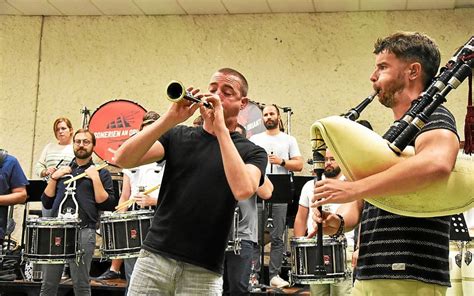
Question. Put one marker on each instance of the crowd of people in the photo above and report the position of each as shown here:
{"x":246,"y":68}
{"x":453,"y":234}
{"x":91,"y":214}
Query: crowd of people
{"x":209,"y":171}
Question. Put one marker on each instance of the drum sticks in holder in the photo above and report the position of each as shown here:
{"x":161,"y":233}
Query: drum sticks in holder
{"x":132,"y":200}
{"x":99,"y":167}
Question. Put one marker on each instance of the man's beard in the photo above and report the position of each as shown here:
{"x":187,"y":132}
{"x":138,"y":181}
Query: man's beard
{"x":82,"y":153}
{"x":271,"y":124}
{"x":387,"y":97}
{"x":332,"y":173}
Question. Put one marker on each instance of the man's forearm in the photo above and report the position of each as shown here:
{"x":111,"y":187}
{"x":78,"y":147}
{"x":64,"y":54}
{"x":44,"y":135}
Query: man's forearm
{"x":12,"y":198}
{"x":295,"y":164}
{"x":243,"y":180}
{"x":137,"y":149}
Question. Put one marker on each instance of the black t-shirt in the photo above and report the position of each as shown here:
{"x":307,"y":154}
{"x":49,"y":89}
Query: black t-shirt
{"x":196,"y":207}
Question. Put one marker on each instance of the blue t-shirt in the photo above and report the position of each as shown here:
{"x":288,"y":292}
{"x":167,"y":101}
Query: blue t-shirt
{"x":11,"y":176}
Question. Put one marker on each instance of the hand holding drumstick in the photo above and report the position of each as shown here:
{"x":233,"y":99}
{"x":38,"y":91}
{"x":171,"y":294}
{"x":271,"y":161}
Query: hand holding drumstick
{"x":96,"y":168}
{"x":143,"y":199}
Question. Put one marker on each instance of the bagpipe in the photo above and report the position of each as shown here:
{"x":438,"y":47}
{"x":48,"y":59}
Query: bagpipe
{"x":361,"y":152}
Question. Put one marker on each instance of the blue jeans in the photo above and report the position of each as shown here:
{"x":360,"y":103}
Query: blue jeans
{"x":158,"y":275}
{"x":237,"y":269}
{"x":79,"y":271}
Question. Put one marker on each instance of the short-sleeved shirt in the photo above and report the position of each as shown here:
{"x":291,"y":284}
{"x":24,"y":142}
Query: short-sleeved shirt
{"x":196,"y":208}
{"x":146,"y":176}
{"x":401,"y":247}
{"x":282,"y":145}
{"x":305,"y":200}
{"x":11,"y":176}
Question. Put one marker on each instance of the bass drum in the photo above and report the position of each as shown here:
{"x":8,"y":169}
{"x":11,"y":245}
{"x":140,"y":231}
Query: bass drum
{"x":113,"y":123}
{"x":252,"y":119}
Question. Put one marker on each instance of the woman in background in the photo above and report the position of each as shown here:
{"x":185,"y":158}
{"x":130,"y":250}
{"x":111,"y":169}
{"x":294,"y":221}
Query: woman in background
{"x":58,"y":153}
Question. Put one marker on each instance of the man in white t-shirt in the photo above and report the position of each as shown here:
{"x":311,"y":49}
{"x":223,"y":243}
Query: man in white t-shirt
{"x":304,"y":224}
{"x":283,"y":156}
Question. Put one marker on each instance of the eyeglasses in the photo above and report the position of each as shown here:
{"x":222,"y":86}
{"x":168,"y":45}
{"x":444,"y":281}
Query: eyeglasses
{"x":85,"y":142}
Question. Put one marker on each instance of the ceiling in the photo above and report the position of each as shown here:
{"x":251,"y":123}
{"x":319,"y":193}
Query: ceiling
{"x":183,"y":7}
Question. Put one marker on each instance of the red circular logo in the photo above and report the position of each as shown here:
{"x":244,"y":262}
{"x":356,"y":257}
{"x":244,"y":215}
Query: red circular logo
{"x":113,"y":123}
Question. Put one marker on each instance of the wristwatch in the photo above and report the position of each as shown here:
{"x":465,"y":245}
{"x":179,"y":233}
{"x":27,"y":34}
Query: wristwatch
{"x":283,"y":163}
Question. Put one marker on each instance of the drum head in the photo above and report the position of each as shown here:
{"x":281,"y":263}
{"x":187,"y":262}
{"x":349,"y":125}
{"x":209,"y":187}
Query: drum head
{"x":113,"y":123}
{"x":252,"y":119}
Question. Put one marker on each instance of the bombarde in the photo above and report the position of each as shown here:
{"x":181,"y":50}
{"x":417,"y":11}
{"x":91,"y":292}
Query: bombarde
{"x":317,"y":142}
{"x":361,"y":152}
{"x":175,"y":92}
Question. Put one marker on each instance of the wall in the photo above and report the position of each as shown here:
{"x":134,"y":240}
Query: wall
{"x":318,"y":64}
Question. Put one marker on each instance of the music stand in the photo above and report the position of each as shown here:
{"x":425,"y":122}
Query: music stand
{"x":298,"y":183}
{"x":281,"y":194}
{"x":281,"y":188}
{"x":34,"y":190}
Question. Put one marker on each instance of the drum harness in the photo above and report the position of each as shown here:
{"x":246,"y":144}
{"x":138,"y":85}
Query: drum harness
{"x":70,"y":214}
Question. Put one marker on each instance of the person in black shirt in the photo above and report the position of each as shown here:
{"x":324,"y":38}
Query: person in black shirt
{"x":93,"y":194}
{"x":399,"y":254}
{"x":208,"y":168}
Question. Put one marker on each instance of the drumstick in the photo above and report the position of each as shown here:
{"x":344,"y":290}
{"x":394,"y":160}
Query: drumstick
{"x":99,"y":167}
{"x":125,"y":204}
{"x":151,"y":189}
{"x":132,"y":200}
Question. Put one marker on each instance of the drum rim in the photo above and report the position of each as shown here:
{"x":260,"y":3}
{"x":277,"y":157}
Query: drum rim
{"x":123,"y":219}
{"x":48,"y":221}
{"x":121,"y":251}
{"x":304,"y":241}
{"x":108,"y":213}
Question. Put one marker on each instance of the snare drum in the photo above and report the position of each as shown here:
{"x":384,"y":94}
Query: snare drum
{"x":113,"y":123}
{"x":51,"y":240}
{"x":303,"y":261}
{"x":124,"y":233}
{"x":233,"y":244}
